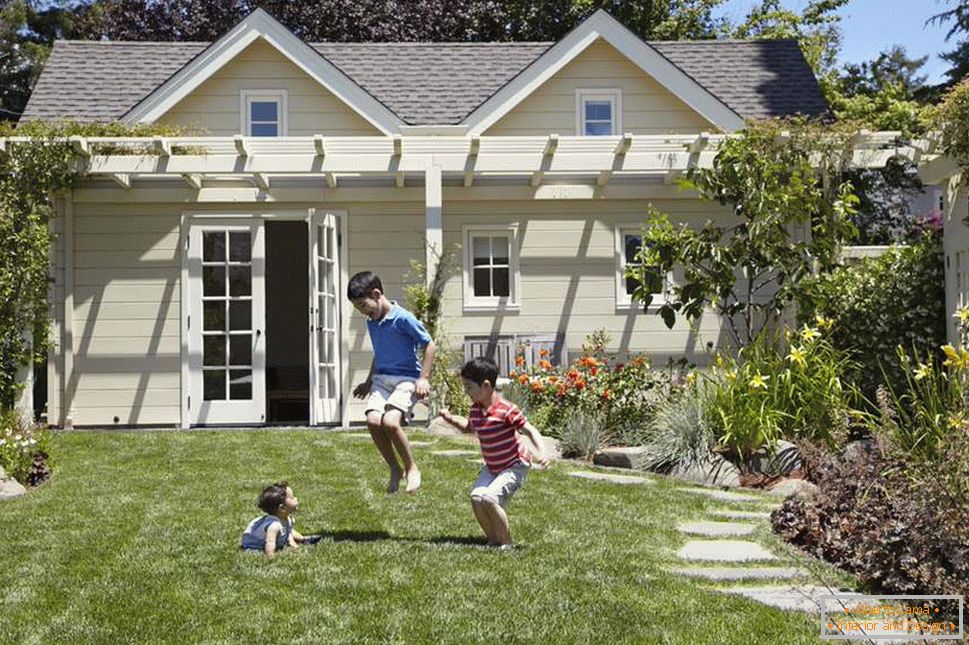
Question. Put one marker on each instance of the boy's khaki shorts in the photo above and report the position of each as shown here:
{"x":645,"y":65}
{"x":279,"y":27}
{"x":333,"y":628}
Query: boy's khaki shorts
{"x":501,"y":487}
{"x":394,"y":391}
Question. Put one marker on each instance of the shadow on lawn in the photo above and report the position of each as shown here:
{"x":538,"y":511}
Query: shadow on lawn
{"x":379,"y":536}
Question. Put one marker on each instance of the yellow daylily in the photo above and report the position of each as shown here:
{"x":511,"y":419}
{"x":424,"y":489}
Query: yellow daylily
{"x":758,"y":381}
{"x":691,"y":378}
{"x":824,"y":323}
{"x":957,"y":358}
{"x":923,"y":371}
{"x":962,"y":314}
{"x":955,"y":421}
{"x":809,"y":333}
{"x":798,"y":356}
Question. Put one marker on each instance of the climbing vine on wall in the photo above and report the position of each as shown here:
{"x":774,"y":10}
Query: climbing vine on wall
{"x":31,"y":173}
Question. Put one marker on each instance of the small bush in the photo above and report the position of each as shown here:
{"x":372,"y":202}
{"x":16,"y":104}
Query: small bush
{"x":879,"y":304}
{"x":583,"y":434}
{"x":24,"y":450}
{"x":680,"y":435}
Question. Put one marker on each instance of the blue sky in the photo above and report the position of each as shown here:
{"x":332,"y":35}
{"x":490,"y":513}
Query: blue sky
{"x":870,"y":26}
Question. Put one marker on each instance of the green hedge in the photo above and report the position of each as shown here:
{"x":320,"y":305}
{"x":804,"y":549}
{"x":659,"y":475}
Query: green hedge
{"x":896,"y":299}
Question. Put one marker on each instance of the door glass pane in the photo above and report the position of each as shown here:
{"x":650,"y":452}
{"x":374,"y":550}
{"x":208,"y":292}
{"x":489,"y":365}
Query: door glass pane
{"x":213,"y":246}
{"x":482,"y":250}
{"x":240,"y":349}
{"x":482,"y":282}
{"x":240,"y":314}
{"x":324,"y":337}
{"x":214,"y":317}
{"x":323,"y":269}
{"x":330,"y":316}
{"x":213,"y":385}
{"x":213,"y":280}
{"x":631,"y":284}
{"x":240,"y":246}
{"x":213,"y":350}
{"x":500,"y":277}
{"x":240,"y":384}
{"x":632,"y":244}
{"x":240,"y":280}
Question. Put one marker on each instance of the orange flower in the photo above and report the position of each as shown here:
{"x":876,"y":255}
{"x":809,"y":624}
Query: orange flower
{"x":593,"y":371}
{"x":523,"y":379}
{"x":572,"y":374}
{"x":561,"y":391}
{"x":543,"y":352}
{"x":513,"y":374}
{"x":544,"y":364}
{"x":537,"y":386}
{"x":553,"y":379}
{"x":580,"y":384}
{"x":607,"y":395}
{"x":519,"y":360}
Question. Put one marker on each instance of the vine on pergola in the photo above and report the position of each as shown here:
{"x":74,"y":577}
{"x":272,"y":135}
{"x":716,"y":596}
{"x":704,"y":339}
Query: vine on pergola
{"x":32,"y":173}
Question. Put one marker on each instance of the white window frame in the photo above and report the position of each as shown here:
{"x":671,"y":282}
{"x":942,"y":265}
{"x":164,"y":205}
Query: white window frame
{"x":491,"y":303}
{"x":624,"y":301}
{"x":246,"y":98}
{"x":612,"y":95}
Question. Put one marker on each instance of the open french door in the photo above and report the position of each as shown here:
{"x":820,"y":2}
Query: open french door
{"x":325,"y":341}
{"x":226,"y":319}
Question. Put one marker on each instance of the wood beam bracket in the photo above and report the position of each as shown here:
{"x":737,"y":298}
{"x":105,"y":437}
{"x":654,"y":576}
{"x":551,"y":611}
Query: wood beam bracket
{"x":242,"y":149}
{"x":551,"y":145}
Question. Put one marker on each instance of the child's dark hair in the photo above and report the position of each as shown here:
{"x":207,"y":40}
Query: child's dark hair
{"x":362,"y":284}
{"x":272,"y":497}
{"x":479,"y":370}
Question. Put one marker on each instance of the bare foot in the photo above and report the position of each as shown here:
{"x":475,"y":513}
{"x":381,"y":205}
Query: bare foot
{"x":413,"y":480}
{"x":395,"y":477}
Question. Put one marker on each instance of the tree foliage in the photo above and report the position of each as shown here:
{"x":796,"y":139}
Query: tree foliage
{"x":777,"y":178}
{"x":958,"y":57}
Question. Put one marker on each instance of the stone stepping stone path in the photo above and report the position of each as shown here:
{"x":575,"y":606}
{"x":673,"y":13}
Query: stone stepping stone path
{"x":455,"y":453}
{"x":608,"y":477}
{"x":743,"y":515}
{"x":720,"y":574}
{"x":722,"y":495}
{"x":422,"y":444}
{"x":716,"y":529}
{"x":724,"y":551}
{"x":804,"y":598}
{"x":356,"y":435}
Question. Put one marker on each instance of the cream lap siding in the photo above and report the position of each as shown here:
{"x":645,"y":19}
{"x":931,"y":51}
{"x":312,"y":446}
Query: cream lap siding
{"x":647,"y":106}
{"x":126,"y":314}
{"x":312,"y":109}
{"x":568,"y":276}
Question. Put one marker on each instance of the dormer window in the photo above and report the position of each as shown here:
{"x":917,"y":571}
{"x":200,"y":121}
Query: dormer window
{"x":598,"y":112}
{"x":264,"y":113}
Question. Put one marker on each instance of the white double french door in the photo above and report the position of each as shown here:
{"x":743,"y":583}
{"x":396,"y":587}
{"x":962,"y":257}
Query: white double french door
{"x":326,"y":285}
{"x":226,"y":322}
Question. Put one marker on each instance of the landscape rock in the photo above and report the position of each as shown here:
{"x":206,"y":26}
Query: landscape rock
{"x":11,"y":488}
{"x":3,"y":474}
{"x":627,"y":457}
{"x":438,"y":426}
{"x":784,"y":459}
{"x":716,"y":471}
{"x":788,"y":487}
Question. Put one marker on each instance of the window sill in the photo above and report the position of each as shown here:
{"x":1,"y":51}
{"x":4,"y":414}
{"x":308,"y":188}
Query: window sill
{"x":472,"y":308}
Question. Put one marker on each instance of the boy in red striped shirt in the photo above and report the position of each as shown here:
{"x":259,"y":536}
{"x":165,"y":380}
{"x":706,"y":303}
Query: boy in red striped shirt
{"x":499,"y":425}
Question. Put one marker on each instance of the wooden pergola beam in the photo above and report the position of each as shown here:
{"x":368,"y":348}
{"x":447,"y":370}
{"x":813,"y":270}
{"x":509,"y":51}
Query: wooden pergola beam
{"x":551,"y":145}
{"x":261,"y":180}
{"x":473,"y":149}
{"x":242,"y":149}
{"x":193,"y":179}
{"x":121,"y":180}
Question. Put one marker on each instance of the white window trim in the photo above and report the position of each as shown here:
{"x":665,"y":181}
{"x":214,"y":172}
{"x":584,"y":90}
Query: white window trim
{"x":613,"y":95}
{"x":624,"y":301}
{"x":248,"y":96}
{"x":491,"y":304}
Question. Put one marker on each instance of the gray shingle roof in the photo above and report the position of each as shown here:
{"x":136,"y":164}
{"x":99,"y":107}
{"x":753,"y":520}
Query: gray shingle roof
{"x":423,"y":83}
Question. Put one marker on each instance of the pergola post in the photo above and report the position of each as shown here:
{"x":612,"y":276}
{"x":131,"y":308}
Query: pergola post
{"x":433,"y":220}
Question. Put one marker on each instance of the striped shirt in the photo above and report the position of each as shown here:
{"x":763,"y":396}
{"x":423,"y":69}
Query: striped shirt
{"x":497,"y":428}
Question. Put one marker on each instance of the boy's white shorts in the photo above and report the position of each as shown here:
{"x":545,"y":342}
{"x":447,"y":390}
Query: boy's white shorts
{"x":501,"y":487}
{"x":395,"y":391}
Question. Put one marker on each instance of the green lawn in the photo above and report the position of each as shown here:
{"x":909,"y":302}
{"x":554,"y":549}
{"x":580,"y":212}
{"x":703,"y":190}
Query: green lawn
{"x":136,"y":539}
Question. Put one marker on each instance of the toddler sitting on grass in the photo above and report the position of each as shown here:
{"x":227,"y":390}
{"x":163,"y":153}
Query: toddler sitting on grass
{"x":274,"y":530}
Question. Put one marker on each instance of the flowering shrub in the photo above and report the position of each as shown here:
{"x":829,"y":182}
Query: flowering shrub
{"x":621,"y":393}
{"x":769,"y":392}
{"x":24,"y":451}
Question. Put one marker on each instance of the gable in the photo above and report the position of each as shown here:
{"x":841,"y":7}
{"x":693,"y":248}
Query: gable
{"x":646,"y":106}
{"x":215,"y":105}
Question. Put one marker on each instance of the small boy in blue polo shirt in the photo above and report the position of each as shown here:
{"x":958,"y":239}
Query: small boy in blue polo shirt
{"x":397,"y":379}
